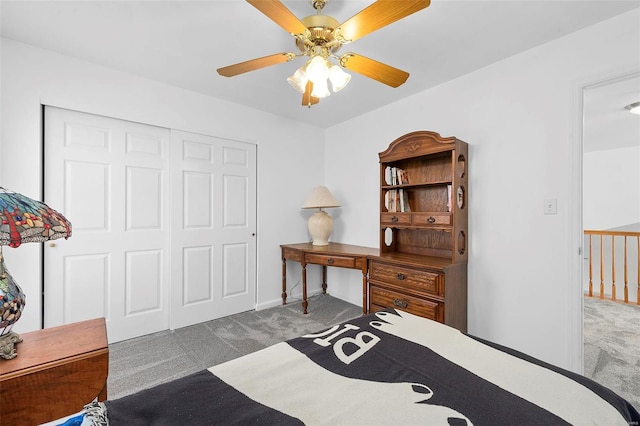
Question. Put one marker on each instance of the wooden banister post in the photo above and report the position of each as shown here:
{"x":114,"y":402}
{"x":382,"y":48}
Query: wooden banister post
{"x":590,"y":267}
{"x":601,"y":268}
{"x":613,"y":267}
{"x":626,"y":277}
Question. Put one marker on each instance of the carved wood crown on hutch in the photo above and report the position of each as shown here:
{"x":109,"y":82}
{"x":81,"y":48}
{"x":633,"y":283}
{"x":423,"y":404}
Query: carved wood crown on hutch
{"x":416,"y":144}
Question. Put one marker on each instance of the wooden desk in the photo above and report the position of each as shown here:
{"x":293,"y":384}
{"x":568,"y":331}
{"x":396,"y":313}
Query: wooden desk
{"x":335,"y":254}
{"x":57,"y":371}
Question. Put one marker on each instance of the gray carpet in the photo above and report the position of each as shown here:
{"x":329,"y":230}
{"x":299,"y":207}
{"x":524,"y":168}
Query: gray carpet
{"x":149,"y":360}
{"x":611,"y":334}
{"x":612,"y":346}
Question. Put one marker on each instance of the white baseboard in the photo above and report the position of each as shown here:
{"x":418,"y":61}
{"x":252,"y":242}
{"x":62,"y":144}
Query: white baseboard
{"x":290,"y":299}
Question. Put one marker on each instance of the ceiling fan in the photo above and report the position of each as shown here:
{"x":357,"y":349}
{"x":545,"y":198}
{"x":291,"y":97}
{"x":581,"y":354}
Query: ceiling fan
{"x":320,"y":36}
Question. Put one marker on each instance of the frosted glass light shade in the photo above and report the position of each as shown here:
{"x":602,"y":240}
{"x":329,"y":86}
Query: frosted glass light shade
{"x":317,"y":70}
{"x":339,"y":79}
{"x":298,"y":80}
{"x":320,"y":89}
{"x":320,"y":198}
{"x":633,"y":108}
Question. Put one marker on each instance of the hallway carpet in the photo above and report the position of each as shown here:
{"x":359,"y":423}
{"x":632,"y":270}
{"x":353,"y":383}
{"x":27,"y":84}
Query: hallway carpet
{"x":612,"y":346}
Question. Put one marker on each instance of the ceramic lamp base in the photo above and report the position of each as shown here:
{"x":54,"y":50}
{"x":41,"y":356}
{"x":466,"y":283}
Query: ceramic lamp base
{"x":320,"y":227}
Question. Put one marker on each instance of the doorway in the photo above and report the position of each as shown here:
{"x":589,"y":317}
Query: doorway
{"x":611,"y":204}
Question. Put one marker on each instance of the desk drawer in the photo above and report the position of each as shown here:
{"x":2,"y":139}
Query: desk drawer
{"x":383,"y":298}
{"x":327,"y":260}
{"x":422,"y":281}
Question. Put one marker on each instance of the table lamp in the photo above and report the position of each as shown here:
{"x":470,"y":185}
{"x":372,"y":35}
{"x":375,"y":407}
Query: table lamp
{"x":320,"y":223}
{"x":22,"y":220}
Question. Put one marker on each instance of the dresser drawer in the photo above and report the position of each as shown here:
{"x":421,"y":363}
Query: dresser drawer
{"x":383,"y":298}
{"x":426,"y":219}
{"x":326,"y":260}
{"x":413,"y":279}
{"x":395,"y":219}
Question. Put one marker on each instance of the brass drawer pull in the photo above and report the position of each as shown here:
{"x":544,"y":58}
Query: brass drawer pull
{"x":431,"y":219}
{"x":330,"y":261}
{"x":394,"y":219}
{"x":400,"y":303}
{"x":401,"y":276}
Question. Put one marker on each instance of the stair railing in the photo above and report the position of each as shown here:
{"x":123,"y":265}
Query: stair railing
{"x":629,"y":240}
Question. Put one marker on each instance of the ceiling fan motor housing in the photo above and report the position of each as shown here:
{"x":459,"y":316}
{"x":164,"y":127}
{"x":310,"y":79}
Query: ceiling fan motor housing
{"x":321,"y":28}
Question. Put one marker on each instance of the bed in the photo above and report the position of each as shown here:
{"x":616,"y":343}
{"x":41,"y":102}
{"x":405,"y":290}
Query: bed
{"x":387,"y":368}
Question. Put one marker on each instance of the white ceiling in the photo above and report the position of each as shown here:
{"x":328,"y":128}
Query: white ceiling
{"x":607,"y":124}
{"x":183,"y":42}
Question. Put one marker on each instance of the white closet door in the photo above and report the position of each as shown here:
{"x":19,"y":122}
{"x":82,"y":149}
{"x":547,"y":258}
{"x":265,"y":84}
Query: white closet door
{"x":213,"y":231}
{"x":110,"y":179}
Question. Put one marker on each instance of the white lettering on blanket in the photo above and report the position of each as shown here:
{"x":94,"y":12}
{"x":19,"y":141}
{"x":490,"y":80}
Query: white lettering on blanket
{"x":363,"y":342}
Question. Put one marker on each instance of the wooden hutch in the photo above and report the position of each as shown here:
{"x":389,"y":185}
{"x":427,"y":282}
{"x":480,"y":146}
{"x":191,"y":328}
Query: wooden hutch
{"x":422,"y":264}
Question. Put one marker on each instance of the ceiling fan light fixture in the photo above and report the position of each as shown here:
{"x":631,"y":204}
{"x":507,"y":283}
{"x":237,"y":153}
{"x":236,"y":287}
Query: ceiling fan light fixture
{"x":298,"y":80}
{"x":339,"y":79}
{"x":317,"y":69}
{"x":320,"y":36}
{"x":633,"y":108}
{"x":320,"y":89}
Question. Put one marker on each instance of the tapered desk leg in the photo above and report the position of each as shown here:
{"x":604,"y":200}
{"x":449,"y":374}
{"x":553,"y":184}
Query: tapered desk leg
{"x":324,"y":279}
{"x":304,"y":287}
{"x":364,"y":291}
{"x":284,"y":281}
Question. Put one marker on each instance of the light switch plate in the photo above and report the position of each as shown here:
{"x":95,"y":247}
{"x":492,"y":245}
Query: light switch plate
{"x":551,"y":206}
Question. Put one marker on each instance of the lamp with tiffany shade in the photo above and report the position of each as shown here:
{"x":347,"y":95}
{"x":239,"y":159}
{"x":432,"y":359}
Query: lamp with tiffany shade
{"x":22,"y":220}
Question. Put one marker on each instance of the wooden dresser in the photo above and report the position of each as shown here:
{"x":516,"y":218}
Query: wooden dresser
{"x":57,"y":371}
{"x":422,"y":265}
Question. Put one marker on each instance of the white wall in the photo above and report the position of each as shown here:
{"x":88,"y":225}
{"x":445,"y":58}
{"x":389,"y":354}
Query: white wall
{"x":520,"y":117}
{"x":611,"y":187}
{"x":31,"y":77}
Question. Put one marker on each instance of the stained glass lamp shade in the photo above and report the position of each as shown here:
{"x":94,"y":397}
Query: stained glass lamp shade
{"x":22,"y":220}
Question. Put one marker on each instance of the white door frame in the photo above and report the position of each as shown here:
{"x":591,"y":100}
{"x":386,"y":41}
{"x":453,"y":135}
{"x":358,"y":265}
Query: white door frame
{"x":576,"y":239}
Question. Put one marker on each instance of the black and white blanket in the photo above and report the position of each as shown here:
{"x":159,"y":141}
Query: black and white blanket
{"x":388,"y":368}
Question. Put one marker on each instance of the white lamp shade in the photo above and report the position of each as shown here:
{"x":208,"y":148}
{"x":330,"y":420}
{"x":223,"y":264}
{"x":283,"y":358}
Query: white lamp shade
{"x":298,"y":80}
{"x":319,"y":198}
{"x":339,"y":79}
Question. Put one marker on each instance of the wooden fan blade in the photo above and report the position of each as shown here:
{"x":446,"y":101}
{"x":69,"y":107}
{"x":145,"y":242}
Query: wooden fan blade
{"x":378,"y":15}
{"x":254,"y":64}
{"x":278,"y":13}
{"x":373,"y":69}
{"x":307,"y":99}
